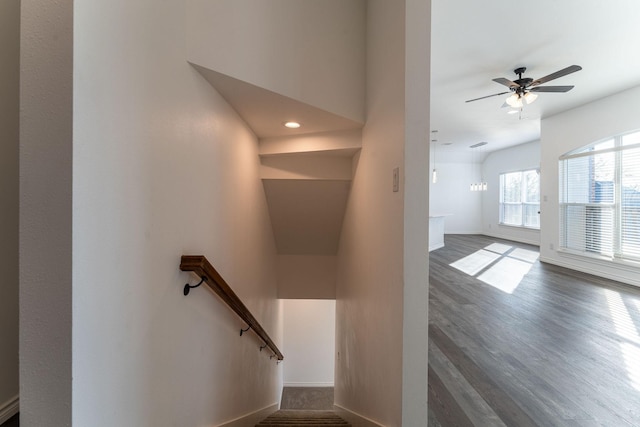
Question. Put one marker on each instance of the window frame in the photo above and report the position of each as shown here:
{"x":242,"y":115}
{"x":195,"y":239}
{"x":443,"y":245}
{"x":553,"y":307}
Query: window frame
{"x":616,"y":205}
{"x":523,"y":203}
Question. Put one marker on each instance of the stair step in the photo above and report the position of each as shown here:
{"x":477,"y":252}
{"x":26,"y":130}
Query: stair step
{"x":290,"y":418}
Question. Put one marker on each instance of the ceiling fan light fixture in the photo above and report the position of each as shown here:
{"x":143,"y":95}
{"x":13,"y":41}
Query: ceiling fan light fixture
{"x":529,"y":97}
{"x":514,"y":100}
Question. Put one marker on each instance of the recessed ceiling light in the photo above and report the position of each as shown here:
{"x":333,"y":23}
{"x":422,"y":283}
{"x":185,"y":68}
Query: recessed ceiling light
{"x":512,"y":111}
{"x":292,"y":125}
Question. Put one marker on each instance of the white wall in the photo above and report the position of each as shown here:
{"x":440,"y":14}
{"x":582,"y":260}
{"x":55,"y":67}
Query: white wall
{"x":162,"y":166}
{"x":9,"y":131}
{"x":416,"y":207}
{"x":369,"y":285}
{"x":451,"y":195}
{"x":309,"y":342}
{"x":565,"y":132}
{"x":307,"y":276}
{"x":46,"y":115}
{"x":520,"y":157}
{"x":310,"y":51}
{"x":381,"y":344}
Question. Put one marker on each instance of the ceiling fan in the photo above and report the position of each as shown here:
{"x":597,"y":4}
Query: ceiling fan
{"x":523,"y":89}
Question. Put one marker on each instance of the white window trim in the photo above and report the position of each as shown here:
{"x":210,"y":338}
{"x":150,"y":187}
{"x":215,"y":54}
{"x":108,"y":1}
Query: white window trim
{"x":523,"y":204}
{"x":630,"y":262}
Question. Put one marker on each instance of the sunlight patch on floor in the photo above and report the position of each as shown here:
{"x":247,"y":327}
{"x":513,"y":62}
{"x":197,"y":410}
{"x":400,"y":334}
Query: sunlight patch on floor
{"x":476,"y":262}
{"x":507,"y":267}
{"x":506,"y":274}
{"x":525,"y":255}
{"x":627,"y":330}
{"x":621,"y":317}
{"x":498,"y":248}
{"x":631,"y":354}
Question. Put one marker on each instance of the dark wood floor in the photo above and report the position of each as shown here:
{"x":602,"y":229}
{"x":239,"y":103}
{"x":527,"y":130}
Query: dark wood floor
{"x":563,"y":349}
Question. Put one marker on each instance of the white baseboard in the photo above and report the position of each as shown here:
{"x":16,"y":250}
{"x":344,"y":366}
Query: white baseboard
{"x":436,"y":246}
{"x":250,"y":420}
{"x":9,"y":408}
{"x":595,"y":271}
{"x":356,"y":420}
{"x":512,"y":238}
{"x":290,"y":384}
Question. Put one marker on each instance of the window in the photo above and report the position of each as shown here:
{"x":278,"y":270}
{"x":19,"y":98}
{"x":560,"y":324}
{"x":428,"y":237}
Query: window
{"x":520,"y":198}
{"x":600,"y":198}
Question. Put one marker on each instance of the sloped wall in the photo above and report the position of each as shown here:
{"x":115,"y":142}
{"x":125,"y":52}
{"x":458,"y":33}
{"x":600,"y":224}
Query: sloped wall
{"x":311,"y":51}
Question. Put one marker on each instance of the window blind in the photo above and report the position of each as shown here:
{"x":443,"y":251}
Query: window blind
{"x":600,"y":198}
{"x":630,"y":203}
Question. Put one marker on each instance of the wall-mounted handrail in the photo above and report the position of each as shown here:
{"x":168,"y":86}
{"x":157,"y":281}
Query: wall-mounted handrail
{"x":201,"y":266}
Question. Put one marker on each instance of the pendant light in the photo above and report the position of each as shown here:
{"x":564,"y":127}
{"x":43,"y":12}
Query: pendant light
{"x":434,"y":173}
{"x":482,"y":185}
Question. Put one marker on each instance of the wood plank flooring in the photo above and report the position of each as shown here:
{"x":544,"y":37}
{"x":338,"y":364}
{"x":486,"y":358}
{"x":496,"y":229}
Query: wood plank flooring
{"x":562,"y":349}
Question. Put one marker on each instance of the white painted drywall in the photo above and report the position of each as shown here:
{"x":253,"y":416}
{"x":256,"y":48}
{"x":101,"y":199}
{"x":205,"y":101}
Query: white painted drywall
{"x":565,"y":132}
{"x":306,"y":277}
{"x":333,"y":143}
{"x":309,"y":335}
{"x":310,"y":51}
{"x":451,"y":196}
{"x":163,"y":167}
{"x":521,"y":157}
{"x":416,"y":206}
{"x":9,"y":132}
{"x":375,"y":275}
{"x":370,"y":257}
{"x":46,"y":131}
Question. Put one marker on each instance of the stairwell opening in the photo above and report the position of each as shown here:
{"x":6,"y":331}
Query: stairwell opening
{"x":309,"y":346}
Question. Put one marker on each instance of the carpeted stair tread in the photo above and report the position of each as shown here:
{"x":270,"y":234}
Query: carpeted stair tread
{"x":288,"y":418}
{"x":307,"y":398}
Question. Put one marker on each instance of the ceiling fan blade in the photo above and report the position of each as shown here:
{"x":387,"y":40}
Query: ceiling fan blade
{"x":488,"y":96}
{"x":557,"y":74}
{"x":506,"y":82}
{"x":551,"y":89}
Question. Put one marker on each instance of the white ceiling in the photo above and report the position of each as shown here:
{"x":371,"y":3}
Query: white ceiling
{"x":472,"y":43}
{"x":475,"y":41}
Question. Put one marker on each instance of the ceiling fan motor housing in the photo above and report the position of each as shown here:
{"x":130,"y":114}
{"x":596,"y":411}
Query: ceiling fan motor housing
{"x":522,"y":82}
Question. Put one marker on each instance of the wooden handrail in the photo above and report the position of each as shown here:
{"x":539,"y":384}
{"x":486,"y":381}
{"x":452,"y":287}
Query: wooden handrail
{"x":201,"y":266}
